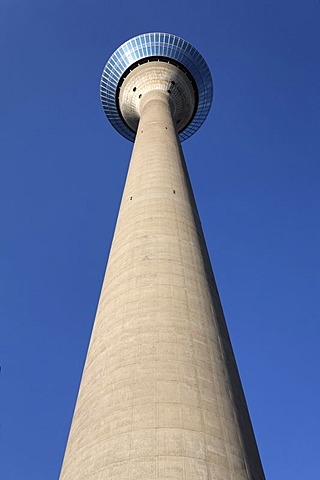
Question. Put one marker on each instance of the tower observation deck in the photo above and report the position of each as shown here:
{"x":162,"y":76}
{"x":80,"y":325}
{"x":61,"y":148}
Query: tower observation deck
{"x":160,"y":396}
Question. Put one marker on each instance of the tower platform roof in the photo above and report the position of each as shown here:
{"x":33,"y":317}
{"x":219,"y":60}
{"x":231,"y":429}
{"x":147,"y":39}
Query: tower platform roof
{"x":152,"y":47}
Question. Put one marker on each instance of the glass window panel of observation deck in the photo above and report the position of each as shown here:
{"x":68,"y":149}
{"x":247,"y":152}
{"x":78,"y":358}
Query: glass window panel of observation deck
{"x":139,"y":43}
{"x":133,"y":49}
{"x":169,"y":45}
{"x":143,"y":45}
{"x":149,"y":51}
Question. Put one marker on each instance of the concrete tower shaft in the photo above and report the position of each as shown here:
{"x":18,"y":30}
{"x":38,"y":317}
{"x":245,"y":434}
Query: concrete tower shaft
{"x":160,"y":395}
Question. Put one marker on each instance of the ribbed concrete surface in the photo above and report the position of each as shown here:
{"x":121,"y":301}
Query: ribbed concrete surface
{"x":160,"y":396}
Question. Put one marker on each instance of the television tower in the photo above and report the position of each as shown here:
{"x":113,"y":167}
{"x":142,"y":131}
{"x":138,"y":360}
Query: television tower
{"x":160,"y":396}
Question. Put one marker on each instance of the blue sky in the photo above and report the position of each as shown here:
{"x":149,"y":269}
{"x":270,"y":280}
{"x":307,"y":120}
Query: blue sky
{"x":255,"y":170}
